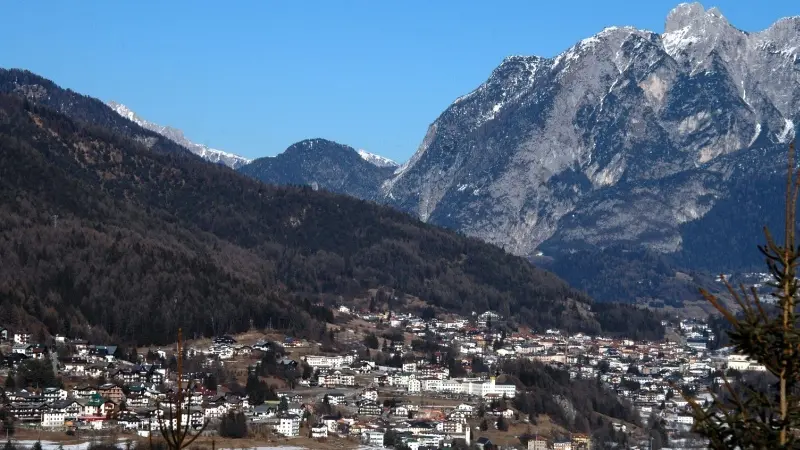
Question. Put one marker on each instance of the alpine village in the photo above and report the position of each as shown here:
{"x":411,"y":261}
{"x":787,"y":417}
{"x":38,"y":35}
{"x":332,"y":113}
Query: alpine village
{"x":593,"y":250}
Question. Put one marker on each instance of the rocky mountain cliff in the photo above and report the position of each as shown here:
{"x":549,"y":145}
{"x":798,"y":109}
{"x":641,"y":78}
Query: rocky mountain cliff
{"x":628,"y":137}
{"x":324,"y":164}
{"x":176,"y":135}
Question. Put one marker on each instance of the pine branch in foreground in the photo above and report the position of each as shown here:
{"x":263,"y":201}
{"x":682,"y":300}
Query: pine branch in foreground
{"x":744,"y":417}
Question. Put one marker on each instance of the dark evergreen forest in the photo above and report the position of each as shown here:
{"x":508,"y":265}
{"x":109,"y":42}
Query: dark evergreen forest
{"x":548,"y":390}
{"x":630,"y":273}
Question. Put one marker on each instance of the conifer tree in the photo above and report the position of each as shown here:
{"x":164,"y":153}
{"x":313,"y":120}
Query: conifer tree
{"x":745,"y":417}
{"x":11,"y":383}
{"x":501,"y":424}
{"x":6,"y":423}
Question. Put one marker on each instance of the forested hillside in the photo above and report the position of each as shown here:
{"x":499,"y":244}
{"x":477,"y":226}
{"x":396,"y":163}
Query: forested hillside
{"x":100,"y":235}
{"x":331,"y":166}
{"x":630,"y":273}
{"x":85,"y":109}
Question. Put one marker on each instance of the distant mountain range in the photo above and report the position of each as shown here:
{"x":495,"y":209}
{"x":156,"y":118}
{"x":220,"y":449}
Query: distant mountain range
{"x":210,"y":154}
{"x":632,"y":155}
{"x":666,"y":144}
{"x":229,"y":159}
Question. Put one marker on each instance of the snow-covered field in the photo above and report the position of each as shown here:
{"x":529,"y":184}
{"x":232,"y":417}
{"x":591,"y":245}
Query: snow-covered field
{"x":48,"y":445}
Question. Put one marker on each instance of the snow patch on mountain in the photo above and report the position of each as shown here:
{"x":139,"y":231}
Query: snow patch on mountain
{"x":788,"y":132}
{"x":211,"y":154}
{"x":376,"y":160}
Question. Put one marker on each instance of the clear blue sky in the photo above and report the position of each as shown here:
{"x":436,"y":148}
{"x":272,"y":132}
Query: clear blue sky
{"x":252,"y":77}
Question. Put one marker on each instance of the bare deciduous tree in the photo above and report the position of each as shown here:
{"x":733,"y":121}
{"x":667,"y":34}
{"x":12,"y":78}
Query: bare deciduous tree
{"x":177,"y":434}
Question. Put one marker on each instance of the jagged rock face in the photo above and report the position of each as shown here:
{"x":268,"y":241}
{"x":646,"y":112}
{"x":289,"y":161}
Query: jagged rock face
{"x":613,"y":141}
{"x":663,"y":212}
{"x":322,"y":164}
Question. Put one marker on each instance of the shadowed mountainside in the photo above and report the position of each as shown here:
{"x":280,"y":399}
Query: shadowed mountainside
{"x":100,"y":235}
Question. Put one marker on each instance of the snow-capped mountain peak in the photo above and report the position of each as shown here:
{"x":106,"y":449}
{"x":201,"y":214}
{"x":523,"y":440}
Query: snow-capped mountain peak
{"x":531,"y":157}
{"x":376,"y":160}
{"x":216,"y":156}
{"x":125,"y":112}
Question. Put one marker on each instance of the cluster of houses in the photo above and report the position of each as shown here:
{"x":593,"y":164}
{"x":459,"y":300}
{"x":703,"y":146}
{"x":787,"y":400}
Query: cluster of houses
{"x":139,"y":397}
{"x":652,"y":375}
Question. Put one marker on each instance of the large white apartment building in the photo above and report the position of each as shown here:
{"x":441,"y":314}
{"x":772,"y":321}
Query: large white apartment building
{"x":471,"y":387}
{"x":329,"y":362}
{"x":742,"y":363}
